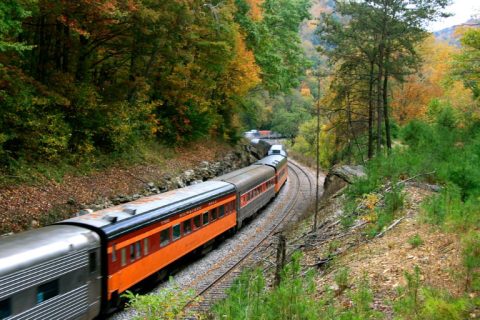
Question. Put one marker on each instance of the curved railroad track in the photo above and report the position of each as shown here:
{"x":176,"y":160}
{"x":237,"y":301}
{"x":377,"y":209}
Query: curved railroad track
{"x":301,"y":182}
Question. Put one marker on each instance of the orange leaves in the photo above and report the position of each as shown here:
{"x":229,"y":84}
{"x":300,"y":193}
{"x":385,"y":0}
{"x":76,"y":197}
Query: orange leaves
{"x":243,"y":73}
{"x":411,"y":99}
{"x":87,"y":17}
{"x":255,"y":9}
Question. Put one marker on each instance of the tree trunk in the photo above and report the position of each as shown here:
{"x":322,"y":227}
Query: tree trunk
{"x":370,"y":110}
{"x":379,"y":99}
{"x":42,"y":50}
{"x":66,"y":47}
{"x":352,"y":131}
{"x":385,"y":112}
{"x":57,"y":56}
{"x":82,"y":59}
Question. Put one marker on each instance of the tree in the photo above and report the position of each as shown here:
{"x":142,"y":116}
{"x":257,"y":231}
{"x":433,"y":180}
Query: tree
{"x":275,"y":41}
{"x":289,"y":112}
{"x":376,"y":41}
{"x":467,"y":63}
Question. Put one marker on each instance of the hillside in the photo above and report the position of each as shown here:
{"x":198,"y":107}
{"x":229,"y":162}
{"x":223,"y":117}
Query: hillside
{"x":451,"y":34}
{"x":43,"y":200}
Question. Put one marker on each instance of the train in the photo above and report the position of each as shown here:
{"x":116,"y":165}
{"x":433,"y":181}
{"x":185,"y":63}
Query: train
{"x":80,"y":267}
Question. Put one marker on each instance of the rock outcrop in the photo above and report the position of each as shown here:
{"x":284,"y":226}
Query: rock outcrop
{"x":242,"y":156}
{"x":339,"y":177}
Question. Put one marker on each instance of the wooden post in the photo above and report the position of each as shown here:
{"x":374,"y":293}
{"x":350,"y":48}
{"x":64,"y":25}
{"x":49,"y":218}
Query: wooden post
{"x":318,"y":159}
{"x":281,"y":256}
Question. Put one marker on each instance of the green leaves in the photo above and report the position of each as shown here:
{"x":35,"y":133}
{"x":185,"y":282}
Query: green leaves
{"x":275,"y":41}
{"x":467,"y":63}
{"x":11,"y":15}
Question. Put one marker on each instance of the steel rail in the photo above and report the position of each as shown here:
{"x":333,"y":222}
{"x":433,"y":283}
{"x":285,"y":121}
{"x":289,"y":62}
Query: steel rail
{"x":215,"y":288}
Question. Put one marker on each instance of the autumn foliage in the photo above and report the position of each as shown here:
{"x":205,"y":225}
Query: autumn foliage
{"x":85,"y":77}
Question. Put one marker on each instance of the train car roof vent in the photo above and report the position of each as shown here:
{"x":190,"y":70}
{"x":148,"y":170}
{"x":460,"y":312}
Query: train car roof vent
{"x":110,"y":219}
{"x":130,"y":211}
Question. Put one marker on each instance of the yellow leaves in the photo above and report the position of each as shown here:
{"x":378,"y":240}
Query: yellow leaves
{"x":370,"y":200}
{"x":368,"y":203}
{"x":243,"y":74}
{"x":305,"y":90}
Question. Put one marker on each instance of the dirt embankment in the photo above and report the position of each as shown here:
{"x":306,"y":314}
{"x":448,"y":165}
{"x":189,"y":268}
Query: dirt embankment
{"x":23,"y":207}
{"x":382,"y":260}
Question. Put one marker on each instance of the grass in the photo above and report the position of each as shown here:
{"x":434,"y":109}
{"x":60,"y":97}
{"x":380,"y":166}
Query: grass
{"x":33,"y":172}
{"x":250,"y":298}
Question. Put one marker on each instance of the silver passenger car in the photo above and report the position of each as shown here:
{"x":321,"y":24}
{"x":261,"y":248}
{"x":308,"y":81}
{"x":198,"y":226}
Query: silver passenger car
{"x":255,"y":187}
{"x":50,"y":273}
{"x":276,"y":161}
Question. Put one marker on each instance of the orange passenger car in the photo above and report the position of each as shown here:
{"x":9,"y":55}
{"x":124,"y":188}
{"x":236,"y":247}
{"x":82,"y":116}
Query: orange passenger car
{"x":144,"y":236}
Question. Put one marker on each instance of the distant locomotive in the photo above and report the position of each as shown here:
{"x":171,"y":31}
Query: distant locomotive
{"x":78,"y":268}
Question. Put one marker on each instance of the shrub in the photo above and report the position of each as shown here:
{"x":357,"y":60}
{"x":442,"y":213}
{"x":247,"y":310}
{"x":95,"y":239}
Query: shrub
{"x":471,"y":260}
{"x":448,"y":210}
{"x":341,"y":279}
{"x":169,"y":303}
{"x":417,"y":133}
{"x":440,"y":305}
{"x":408,"y":304}
{"x":362,"y":299}
{"x":418,"y":302}
{"x":415,"y":241}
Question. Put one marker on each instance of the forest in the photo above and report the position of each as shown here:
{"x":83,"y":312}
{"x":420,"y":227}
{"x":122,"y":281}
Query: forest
{"x":88,"y":78}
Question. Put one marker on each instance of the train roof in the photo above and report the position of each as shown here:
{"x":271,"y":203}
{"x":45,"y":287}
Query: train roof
{"x":119,"y":220}
{"x":23,"y":250}
{"x":247,"y":177}
{"x":275,"y":161}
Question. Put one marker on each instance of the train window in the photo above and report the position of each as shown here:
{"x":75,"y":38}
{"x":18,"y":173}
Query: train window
{"x":132,"y":252}
{"x":214,"y":214}
{"x":197,"y":223}
{"x":221,"y":211}
{"x":114,"y":254}
{"x":187,"y":226}
{"x":164,"y":237}
{"x":92,"y":263}
{"x":205,"y":218}
{"x":5,"y":308}
{"x":145,"y":246}
{"x":176,"y":231}
{"x":47,"y":290}
{"x":124,"y":256}
{"x":138,"y":249}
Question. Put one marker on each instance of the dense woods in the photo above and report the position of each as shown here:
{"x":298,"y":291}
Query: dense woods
{"x":82,"y":80}
{"x":88,"y":77}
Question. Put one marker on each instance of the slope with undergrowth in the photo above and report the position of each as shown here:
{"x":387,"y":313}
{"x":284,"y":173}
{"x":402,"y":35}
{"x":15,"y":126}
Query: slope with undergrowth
{"x":401,"y":243}
{"x":45,"y":193}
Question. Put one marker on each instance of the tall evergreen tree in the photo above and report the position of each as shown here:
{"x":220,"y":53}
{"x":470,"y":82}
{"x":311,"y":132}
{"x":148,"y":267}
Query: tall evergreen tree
{"x":375,"y":41}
